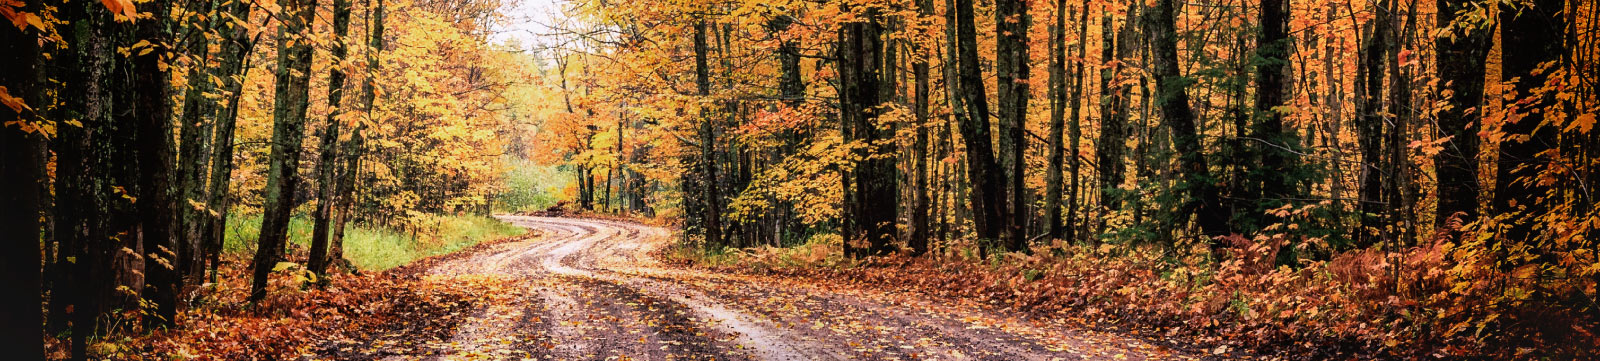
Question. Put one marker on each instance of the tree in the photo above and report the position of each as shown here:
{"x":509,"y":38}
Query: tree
{"x":194,"y":131}
{"x":711,"y":193}
{"x":288,"y":126}
{"x":1370,"y":132}
{"x":1279,"y":151}
{"x":152,"y":115}
{"x":1114,"y":110}
{"x":876,"y":193}
{"x":1531,"y":37}
{"x":988,"y":180}
{"x":1461,"y":50}
{"x":1011,"y":77}
{"x":22,"y":161}
{"x":1075,"y":126}
{"x":345,"y":194}
{"x":328,"y":158}
{"x":236,"y":48}
{"x":922,"y":202}
{"x":1058,"y":104}
{"x":1200,"y":196}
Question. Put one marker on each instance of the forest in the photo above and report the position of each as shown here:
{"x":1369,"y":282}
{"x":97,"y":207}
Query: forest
{"x":1313,"y":179}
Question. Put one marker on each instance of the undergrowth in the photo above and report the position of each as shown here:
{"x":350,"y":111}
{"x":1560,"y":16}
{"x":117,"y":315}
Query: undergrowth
{"x":372,"y":248}
{"x":1441,"y":299}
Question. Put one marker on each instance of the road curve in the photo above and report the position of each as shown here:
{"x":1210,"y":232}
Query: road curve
{"x":588,"y":289}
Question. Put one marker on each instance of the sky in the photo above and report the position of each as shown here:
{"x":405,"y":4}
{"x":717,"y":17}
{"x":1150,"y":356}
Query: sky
{"x":525,"y":20}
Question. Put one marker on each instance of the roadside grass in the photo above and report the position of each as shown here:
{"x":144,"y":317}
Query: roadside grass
{"x":373,"y":248}
{"x":820,"y":251}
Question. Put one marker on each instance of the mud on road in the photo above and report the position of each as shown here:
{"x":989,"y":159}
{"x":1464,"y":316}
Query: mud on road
{"x":588,"y":289}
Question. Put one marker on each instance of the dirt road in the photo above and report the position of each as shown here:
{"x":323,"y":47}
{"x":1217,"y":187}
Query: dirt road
{"x":589,"y":290}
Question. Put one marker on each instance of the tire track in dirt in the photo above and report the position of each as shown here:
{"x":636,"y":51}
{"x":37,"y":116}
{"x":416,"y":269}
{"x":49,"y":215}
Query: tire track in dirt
{"x":589,"y":290}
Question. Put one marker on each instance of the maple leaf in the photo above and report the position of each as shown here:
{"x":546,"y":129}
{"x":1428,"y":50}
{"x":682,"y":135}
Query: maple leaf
{"x":1583,"y":123}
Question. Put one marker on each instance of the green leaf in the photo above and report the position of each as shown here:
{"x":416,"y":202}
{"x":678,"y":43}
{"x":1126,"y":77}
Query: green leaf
{"x":283,"y":266}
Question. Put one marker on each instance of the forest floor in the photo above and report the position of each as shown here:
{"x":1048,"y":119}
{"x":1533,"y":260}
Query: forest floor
{"x":586,"y":289}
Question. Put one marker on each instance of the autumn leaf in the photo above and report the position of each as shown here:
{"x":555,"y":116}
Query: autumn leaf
{"x":1583,"y":123}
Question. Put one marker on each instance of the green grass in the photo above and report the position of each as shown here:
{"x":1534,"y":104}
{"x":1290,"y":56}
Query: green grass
{"x":530,"y":186}
{"x":376,"y":249}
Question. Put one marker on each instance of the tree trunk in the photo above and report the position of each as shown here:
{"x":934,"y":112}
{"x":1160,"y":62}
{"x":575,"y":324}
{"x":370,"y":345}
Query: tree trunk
{"x":1530,"y":36}
{"x":194,"y":130}
{"x":326,"y":169}
{"x":1058,"y":106}
{"x":1461,"y":68}
{"x":1200,"y":199}
{"x":354,"y":147}
{"x":712,"y":196}
{"x":1114,"y":112}
{"x":289,"y":115}
{"x":234,"y":62}
{"x":1370,"y":131}
{"x":91,"y":160}
{"x":22,"y":161}
{"x":876,"y":181}
{"x":918,"y":241}
{"x":1275,"y":147}
{"x":1011,"y":77}
{"x":986,"y":177}
{"x":1075,"y":127}
{"x":153,"y":136}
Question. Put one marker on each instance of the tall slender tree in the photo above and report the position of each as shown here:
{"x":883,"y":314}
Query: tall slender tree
{"x":1372,"y":206}
{"x":1112,"y":143}
{"x":328,"y":158}
{"x":1461,"y":50}
{"x":1011,"y":84}
{"x":291,"y":97}
{"x":194,"y":130}
{"x":984,"y":173}
{"x":711,"y":193}
{"x":22,"y":161}
{"x":1279,"y":150}
{"x":152,"y":122}
{"x":237,"y":45}
{"x":1058,"y":105}
{"x":354,"y":147}
{"x":922,"y":202}
{"x":1201,"y":198}
{"x":1530,"y":37}
{"x":1075,"y":125}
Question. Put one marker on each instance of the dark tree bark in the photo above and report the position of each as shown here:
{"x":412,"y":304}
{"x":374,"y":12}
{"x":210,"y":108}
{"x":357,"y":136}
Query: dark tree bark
{"x":152,"y":115}
{"x":194,"y":131}
{"x":1200,"y":196}
{"x":1075,"y":126}
{"x":291,"y":96}
{"x":354,"y":147}
{"x":1530,"y":35}
{"x":1461,"y":52}
{"x":236,"y":51}
{"x":712,"y":195}
{"x":793,"y":91}
{"x":22,"y":162}
{"x":327,"y":161}
{"x":87,"y":209}
{"x":1011,"y":77}
{"x":1113,"y":124}
{"x":1275,"y":147}
{"x":987,"y":179}
{"x":1370,"y":130}
{"x":922,"y":202}
{"x":1401,"y":187}
{"x":876,"y":189}
{"x":1058,"y":106}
